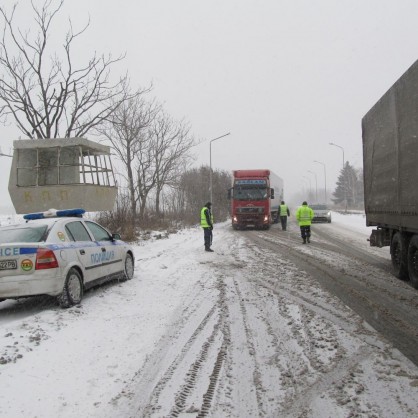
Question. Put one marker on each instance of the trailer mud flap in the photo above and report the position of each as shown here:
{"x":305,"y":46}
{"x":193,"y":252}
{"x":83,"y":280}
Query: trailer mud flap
{"x":379,"y":238}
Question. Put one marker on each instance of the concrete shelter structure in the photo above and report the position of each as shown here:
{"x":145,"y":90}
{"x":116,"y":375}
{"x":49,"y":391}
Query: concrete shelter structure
{"x":61,"y":173}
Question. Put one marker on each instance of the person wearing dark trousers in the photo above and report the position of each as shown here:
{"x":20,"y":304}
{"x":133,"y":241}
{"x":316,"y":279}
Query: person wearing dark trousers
{"x":304,"y":216}
{"x":206,"y":222}
{"x":284,"y":212}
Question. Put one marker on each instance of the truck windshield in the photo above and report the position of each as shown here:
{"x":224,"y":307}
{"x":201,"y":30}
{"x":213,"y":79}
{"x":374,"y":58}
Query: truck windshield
{"x":250,"y":193}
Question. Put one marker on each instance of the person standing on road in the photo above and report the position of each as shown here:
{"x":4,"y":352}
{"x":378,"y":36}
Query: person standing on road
{"x":284,"y":212}
{"x":304,"y":216}
{"x":206,"y":222}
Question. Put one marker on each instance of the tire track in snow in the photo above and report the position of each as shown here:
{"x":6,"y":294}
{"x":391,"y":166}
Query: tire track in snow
{"x":208,"y":360}
{"x":353,"y":261}
{"x":385,"y":313}
{"x":299,"y":406}
{"x":222,"y":353}
{"x":252,"y":351}
{"x":302,"y":367}
{"x":305,"y":387}
{"x":154,"y":398}
{"x":301,"y":290}
{"x":138,"y":392}
{"x":192,"y":374}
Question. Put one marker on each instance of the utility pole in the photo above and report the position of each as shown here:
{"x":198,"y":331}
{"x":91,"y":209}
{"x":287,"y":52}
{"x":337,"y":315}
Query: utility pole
{"x":325,"y":178}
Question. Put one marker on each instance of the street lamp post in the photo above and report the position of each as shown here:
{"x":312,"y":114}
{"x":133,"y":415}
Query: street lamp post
{"x":2,"y":154}
{"x":316,"y":185}
{"x":210,"y":164}
{"x":342,"y":149}
{"x":310,"y":184}
{"x":325,"y":178}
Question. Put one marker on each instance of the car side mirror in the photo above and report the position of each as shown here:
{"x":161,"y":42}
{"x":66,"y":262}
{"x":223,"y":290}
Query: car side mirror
{"x":272,"y":193}
{"x":116,"y":237}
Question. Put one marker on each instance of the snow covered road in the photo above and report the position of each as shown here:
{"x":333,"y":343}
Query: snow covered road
{"x":252,"y":330}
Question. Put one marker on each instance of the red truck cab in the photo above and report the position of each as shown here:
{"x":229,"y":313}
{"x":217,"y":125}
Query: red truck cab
{"x":255,"y":198}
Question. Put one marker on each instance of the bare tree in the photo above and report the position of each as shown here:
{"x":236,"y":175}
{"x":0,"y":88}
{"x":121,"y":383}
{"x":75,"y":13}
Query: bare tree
{"x":146,"y":178}
{"x":46,"y":95}
{"x":126,"y":131}
{"x":171,"y":143}
{"x":193,"y":192}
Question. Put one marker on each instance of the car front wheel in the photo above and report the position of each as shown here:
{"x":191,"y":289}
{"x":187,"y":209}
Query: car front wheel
{"x":129,"y":267}
{"x":72,"y":293}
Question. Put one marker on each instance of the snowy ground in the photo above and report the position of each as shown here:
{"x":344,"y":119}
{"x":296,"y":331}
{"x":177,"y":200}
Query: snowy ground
{"x":193,"y":334}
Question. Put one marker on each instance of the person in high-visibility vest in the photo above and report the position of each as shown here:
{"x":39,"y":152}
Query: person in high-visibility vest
{"x":206,"y":222}
{"x":284,"y":212}
{"x":304,"y":216}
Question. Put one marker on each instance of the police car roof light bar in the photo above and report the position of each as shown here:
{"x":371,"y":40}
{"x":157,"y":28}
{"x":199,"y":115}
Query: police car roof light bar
{"x":53,"y":213}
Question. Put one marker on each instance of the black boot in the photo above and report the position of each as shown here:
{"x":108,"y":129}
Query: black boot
{"x":304,"y":241}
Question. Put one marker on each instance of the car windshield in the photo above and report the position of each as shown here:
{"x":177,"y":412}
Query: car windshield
{"x":22,"y":234}
{"x":319,"y":207}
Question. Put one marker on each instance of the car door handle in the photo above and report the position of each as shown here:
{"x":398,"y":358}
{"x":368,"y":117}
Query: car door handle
{"x":82,"y":252}
{"x":103,"y":249}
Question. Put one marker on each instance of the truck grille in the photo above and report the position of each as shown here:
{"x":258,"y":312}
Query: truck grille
{"x":250,"y":210}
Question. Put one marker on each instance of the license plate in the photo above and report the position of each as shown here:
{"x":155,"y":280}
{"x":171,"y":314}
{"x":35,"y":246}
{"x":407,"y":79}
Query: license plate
{"x":8,"y":265}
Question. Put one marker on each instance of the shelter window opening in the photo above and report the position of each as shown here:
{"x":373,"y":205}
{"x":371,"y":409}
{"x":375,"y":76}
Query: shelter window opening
{"x":63,"y":166}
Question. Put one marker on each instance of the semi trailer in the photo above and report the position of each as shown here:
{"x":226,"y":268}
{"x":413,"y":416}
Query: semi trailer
{"x":390,"y":167}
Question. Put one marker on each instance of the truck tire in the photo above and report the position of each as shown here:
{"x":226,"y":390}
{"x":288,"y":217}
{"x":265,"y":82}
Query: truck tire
{"x":413,"y":261}
{"x":399,"y":255}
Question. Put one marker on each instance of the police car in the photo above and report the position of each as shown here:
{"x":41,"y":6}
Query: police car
{"x":59,"y":253}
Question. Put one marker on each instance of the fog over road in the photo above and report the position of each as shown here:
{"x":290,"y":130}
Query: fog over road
{"x":263,"y":327}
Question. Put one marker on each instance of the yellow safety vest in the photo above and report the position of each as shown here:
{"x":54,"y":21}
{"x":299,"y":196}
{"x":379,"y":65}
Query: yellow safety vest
{"x":283,"y":210}
{"x":203,"y":221}
{"x":304,"y":215}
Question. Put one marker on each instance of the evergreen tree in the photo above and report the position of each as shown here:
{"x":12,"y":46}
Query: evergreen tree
{"x":360,"y":189}
{"x":349,"y":190}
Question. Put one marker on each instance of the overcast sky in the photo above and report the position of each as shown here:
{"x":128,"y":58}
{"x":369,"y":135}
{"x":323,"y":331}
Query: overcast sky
{"x":285,"y":78}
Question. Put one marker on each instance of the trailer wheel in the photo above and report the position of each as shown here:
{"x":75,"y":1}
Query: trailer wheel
{"x":399,"y":254}
{"x":413,"y":261}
